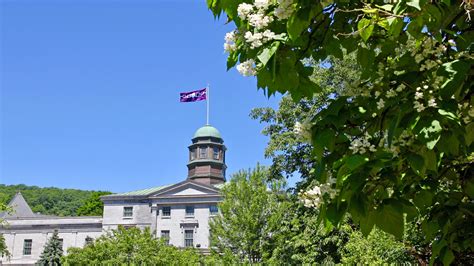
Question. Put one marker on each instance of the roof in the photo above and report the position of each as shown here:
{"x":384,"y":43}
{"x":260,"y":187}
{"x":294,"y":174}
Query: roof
{"x":20,"y":208}
{"x":207,"y":131}
{"x":143,"y":192}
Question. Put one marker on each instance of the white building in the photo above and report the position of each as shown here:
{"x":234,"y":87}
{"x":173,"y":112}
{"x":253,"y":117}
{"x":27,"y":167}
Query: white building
{"x":179,"y":212}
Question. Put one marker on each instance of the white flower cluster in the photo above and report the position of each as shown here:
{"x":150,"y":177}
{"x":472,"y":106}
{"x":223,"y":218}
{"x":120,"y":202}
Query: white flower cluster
{"x":247,"y":68}
{"x":303,"y":131}
{"x":259,"y":38}
{"x":419,"y":97}
{"x":429,"y":49}
{"x":285,"y":9}
{"x":362,"y":145}
{"x":259,"y":20}
{"x":405,"y":139}
{"x":314,"y":197}
{"x":230,"y":38}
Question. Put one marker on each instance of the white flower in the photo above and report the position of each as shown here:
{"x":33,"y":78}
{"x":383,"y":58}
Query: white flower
{"x":418,"y":106}
{"x":262,"y":4}
{"x":230,"y":37}
{"x":244,"y":10}
{"x":230,"y":47}
{"x":418,"y":58}
{"x":268,"y":35}
{"x":259,"y":21}
{"x":418,"y":95}
{"x":380,"y":104}
{"x":284,"y":9}
{"x":432,"y":103}
{"x":302,"y":130}
{"x":400,"y":87}
{"x":255,"y":40}
{"x":247,"y":68}
{"x":314,"y":191}
{"x":391,"y":93}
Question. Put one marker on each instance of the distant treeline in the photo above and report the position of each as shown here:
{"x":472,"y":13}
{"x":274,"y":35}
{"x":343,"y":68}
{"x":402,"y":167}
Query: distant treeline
{"x":56,"y":201}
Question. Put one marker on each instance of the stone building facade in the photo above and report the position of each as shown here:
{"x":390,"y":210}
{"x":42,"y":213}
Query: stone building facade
{"x":179,"y":213}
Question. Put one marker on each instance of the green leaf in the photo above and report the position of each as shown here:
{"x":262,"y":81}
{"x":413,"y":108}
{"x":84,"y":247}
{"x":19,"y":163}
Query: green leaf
{"x":325,"y":138}
{"x":415,"y":3}
{"x":390,"y":218}
{"x":447,"y":256}
{"x":297,"y":23}
{"x":367,"y":223}
{"x":416,"y":162}
{"x":335,"y":213}
{"x":365,"y":28}
{"x":267,"y":53}
{"x":455,"y":72}
{"x":232,"y":60}
{"x":355,"y":161}
{"x":393,"y":126}
{"x":396,"y":26}
{"x":469,"y":133}
{"x":469,"y":188}
{"x":430,"y":161}
{"x":423,"y":199}
{"x":436,"y":249}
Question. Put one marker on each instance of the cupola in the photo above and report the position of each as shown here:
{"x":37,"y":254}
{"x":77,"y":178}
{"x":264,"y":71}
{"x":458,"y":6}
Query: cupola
{"x":207,"y":156}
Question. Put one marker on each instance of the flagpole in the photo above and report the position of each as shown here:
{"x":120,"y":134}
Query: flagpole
{"x":207,"y":101}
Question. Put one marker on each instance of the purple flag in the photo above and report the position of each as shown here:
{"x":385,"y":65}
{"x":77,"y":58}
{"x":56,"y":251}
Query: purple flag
{"x":193,"y":96}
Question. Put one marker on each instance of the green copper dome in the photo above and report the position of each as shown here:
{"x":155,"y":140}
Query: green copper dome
{"x":207,"y":131}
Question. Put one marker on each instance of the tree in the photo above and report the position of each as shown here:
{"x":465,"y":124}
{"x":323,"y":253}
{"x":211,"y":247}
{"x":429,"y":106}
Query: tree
{"x":92,"y":206}
{"x":53,"y":251}
{"x":403,"y":148}
{"x":53,"y":201}
{"x":250,"y":215}
{"x":3,"y":247}
{"x":129,"y":246}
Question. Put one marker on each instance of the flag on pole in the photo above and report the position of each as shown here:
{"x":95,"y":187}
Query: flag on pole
{"x":193,"y":96}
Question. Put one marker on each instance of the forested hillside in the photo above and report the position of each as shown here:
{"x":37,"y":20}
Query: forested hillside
{"x":56,"y":201}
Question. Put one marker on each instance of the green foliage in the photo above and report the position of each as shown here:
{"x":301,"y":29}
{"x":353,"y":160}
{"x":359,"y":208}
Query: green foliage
{"x":250,"y":216}
{"x":3,"y":247}
{"x":130,"y":246}
{"x":54,"y":201}
{"x":377,"y":248}
{"x":53,"y":250}
{"x":92,"y":206}
{"x":412,"y":122}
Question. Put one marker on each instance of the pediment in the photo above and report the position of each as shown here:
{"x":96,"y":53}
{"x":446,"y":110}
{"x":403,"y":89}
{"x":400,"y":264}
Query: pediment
{"x":187,"y":189}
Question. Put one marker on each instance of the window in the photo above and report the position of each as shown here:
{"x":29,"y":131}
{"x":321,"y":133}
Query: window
{"x":27,"y":244}
{"x":166,"y":211}
{"x":165,"y":235}
{"x":203,"y":153}
{"x":213,"y":210}
{"x":189,"y":211}
{"x":193,"y":154}
{"x":127,"y":212}
{"x":216,"y":153}
{"x":188,"y":238}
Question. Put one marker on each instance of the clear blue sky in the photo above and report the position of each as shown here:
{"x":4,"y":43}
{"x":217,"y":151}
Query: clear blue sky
{"x":90,"y":93}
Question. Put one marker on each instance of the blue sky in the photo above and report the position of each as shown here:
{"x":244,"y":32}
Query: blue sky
{"x":90,"y":93}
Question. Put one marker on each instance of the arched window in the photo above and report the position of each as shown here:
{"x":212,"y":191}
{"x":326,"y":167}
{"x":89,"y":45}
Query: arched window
{"x":216,"y":153}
